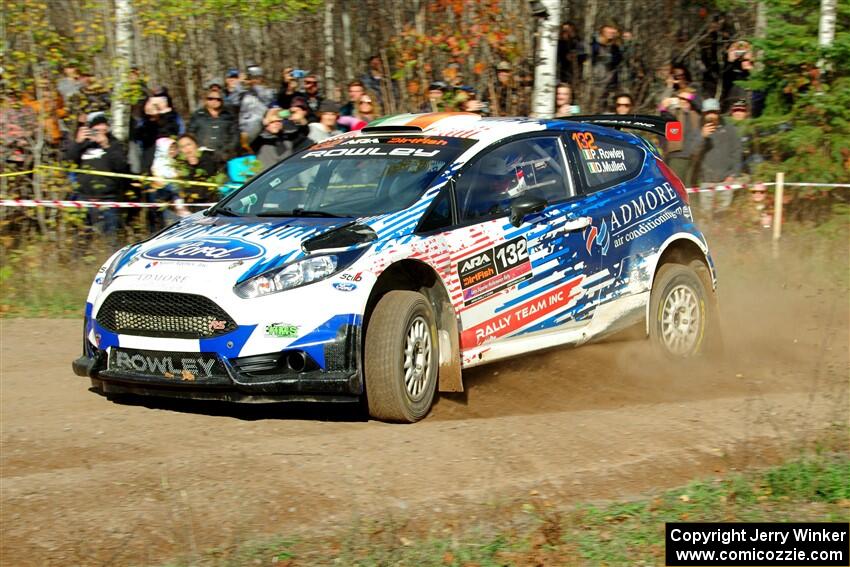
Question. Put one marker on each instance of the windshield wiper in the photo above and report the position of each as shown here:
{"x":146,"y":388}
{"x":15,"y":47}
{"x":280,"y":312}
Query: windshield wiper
{"x":299,"y":213}
{"x":224,"y":212}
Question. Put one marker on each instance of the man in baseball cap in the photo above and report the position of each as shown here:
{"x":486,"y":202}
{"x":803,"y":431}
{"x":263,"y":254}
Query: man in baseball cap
{"x":95,"y":149}
{"x":718,"y":158}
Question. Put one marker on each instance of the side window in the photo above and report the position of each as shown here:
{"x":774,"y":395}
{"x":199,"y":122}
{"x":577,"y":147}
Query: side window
{"x":537,"y":165}
{"x":605,"y":161}
{"x":440,"y":215}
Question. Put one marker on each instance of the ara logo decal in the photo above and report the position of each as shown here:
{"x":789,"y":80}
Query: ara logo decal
{"x":206,"y":250}
{"x":475,"y":262}
{"x":599,"y":236}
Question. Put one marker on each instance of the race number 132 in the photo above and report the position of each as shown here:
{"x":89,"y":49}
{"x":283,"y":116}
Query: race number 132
{"x":511,"y":253}
{"x":584,"y":140}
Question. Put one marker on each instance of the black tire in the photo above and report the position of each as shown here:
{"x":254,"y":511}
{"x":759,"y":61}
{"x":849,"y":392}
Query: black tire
{"x":683,"y":311}
{"x":401,"y":331}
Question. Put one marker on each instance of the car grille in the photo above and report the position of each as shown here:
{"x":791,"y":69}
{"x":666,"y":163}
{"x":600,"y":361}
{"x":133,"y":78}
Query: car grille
{"x":163,"y":314}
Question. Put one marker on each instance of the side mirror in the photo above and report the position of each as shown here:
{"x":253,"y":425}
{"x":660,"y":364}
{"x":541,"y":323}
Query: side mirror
{"x":525,"y":205}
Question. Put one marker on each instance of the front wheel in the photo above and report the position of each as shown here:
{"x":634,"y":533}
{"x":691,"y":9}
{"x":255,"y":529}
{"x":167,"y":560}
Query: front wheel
{"x":401,"y":357}
{"x":683,"y":313}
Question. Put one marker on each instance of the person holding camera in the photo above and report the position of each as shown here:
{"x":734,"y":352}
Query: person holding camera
{"x":289,"y":85}
{"x":467,"y":101}
{"x":718,"y":158}
{"x":257,"y":98}
{"x":160,"y":121}
{"x":284,"y":133}
{"x":564,"y":105}
{"x":679,"y":80}
{"x":739,"y":65}
{"x":684,"y":108}
{"x":95,"y":149}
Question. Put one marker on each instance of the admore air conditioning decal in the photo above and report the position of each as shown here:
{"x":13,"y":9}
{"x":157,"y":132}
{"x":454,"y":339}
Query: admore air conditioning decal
{"x":206,"y":250}
{"x":490,"y":271}
{"x":646,"y":212}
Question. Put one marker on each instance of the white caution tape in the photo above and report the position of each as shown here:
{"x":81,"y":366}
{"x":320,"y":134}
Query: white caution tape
{"x":714,"y":188}
{"x":796,"y":184}
{"x":55,"y":204}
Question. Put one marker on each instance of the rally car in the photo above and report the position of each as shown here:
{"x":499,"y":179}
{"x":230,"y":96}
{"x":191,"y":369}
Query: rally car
{"x":378,"y":264}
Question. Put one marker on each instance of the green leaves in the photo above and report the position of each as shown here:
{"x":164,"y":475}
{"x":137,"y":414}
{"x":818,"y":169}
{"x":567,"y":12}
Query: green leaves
{"x":813,"y":100}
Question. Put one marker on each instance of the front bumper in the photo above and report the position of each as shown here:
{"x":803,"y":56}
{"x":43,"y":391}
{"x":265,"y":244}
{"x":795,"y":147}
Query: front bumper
{"x":253,"y":379}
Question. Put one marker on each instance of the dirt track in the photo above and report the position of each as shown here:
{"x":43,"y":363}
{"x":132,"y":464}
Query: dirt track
{"x":87,"y":481}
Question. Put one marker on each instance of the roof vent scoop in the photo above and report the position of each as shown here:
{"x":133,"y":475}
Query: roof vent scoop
{"x":391,"y":130}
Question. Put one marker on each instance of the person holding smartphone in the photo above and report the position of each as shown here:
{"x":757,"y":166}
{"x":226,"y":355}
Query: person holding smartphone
{"x":285,"y":131}
{"x":95,"y":149}
{"x":718,"y":158}
{"x":738,"y":66}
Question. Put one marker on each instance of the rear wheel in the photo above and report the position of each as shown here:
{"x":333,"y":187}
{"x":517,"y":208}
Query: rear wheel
{"x":401,"y":357}
{"x":683,"y":311}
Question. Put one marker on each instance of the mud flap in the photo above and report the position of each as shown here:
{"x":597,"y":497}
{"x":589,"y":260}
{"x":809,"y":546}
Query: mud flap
{"x":450,"y":379}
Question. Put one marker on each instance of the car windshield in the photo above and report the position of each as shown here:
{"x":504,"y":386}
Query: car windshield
{"x":352,"y":177}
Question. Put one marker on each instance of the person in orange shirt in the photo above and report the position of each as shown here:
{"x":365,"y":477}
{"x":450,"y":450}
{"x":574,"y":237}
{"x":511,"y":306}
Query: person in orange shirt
{"x":46,"y":103}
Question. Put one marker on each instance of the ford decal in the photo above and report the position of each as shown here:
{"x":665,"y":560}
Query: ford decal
{"x":206,"y":250}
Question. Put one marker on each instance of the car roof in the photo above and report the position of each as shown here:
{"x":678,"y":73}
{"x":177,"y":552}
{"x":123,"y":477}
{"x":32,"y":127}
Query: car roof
{"x":474,"y":126}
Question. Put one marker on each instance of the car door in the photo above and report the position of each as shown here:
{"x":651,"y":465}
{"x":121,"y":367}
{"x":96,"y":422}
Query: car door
{"x":621,"y":200}
{"x":632,"y":209}
{"x":507,"y":281}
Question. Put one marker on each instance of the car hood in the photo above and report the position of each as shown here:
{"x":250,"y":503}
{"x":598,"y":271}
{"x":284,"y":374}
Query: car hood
{"x":223,"y":249}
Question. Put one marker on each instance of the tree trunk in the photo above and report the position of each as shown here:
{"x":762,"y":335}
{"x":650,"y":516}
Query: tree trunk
{"x":346,"y":43}
{"x":330,"y":76}
{"x":545,"y":73}
{"x":590,"y":9}
{"x":826,"y":29}
{"x":123,"y":56}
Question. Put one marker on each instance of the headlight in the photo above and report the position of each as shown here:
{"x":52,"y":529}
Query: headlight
{"x":110,"y":271}
{"x":298,"y":273}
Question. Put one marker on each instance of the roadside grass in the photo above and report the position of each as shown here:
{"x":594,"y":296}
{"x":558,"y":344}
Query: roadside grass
{"x":535,"y":531}
{"x":41,"y":279}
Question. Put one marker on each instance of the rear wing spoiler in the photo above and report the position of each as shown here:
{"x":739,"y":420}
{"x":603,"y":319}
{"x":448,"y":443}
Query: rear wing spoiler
{"x":667,"y":127}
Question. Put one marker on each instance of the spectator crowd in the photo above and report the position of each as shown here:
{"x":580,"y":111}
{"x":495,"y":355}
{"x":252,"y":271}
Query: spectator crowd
{"x":246,"y":113}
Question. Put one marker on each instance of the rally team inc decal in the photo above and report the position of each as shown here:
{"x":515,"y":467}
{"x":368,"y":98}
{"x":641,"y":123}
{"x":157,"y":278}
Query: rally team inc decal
{"x":524,"y":314}
{"x":490,"y":271}
{"x":206,"y":250}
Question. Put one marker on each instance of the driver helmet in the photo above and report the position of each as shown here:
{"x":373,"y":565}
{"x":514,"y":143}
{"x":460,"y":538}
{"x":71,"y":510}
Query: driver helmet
{"x":509,"y":173}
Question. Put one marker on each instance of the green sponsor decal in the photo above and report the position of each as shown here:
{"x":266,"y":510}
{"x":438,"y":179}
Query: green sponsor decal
{"x":282,"y":330}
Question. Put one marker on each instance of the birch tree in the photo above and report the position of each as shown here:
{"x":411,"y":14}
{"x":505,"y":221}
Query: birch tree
{"x":826,"y":29}
{"x":330,"y":76}
{"x":123,"y":55}
{"x":546,"y":70}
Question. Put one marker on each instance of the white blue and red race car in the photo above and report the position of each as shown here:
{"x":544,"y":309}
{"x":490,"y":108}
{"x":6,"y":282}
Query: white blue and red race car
{"x":378,"y":264}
